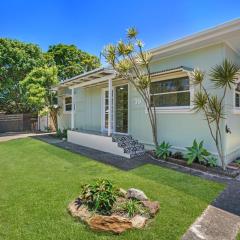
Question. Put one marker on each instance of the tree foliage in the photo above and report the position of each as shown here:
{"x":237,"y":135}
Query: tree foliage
{"x":17,"y":59}
{"x":71,"y":61}
{"x":40,"y":95}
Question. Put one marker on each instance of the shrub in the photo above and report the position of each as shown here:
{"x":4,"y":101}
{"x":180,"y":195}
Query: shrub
{"x":163,"y":150}
{"x":99,"y":196}
{"x":61,"y":134}
{"x":132,"y":207}
{"x":196,"y":153}
{"x":212,"y":161}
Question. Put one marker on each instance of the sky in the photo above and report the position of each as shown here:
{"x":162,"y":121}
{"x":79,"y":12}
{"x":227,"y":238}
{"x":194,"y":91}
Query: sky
{"x":93,"y":24}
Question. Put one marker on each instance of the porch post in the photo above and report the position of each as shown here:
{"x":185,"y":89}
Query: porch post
{"x":109,"y":107}
{"x":73,"y":109}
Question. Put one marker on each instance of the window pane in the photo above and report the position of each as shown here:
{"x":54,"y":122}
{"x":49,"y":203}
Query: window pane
{"x":171,"y":100}
{"x":68,"y":100}
{"x":237,"y":100}
{"x":68,"y":107}
{"x":173,"y":85}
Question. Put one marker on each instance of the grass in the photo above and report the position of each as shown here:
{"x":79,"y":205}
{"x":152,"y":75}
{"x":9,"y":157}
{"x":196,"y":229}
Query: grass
{"x":37,"y":181}
{"x":238,"y":236}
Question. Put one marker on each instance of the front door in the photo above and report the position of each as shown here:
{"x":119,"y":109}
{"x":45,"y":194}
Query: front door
{"x":121,"y":109}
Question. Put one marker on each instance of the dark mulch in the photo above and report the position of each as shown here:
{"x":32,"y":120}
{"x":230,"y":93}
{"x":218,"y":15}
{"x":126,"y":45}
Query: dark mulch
{"x":214,"y":170}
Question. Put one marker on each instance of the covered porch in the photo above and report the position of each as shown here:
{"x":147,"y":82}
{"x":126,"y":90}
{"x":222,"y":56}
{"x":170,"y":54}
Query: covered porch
{"x":99,"y":102}
{"x":99,"y":112}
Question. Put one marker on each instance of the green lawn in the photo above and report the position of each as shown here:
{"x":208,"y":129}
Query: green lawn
{"x":37,"y":181}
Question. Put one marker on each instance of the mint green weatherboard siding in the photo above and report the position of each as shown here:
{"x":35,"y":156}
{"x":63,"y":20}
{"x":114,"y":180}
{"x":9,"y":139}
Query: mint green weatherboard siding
{"x":180,"y":129}
{"x":233,"y":120}
{"x":88,"y":108}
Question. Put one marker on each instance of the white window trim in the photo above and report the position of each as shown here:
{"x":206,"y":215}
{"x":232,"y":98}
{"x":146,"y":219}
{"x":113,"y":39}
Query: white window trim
{"x":177,"y":109}
{"x":64,"y":105}
{"x":236,"y":110}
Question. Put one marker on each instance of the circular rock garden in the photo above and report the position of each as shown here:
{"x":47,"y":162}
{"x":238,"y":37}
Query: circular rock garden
{"x":106,"y":208}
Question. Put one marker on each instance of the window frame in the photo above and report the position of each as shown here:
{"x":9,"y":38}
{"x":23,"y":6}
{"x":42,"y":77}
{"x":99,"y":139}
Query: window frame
{"x":236,"y":109}
{"x":176,"y":109}
{"x":64,"y":105}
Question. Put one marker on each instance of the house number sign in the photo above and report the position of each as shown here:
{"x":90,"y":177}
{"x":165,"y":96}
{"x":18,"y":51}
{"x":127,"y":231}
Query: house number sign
{"x":138,"y":101}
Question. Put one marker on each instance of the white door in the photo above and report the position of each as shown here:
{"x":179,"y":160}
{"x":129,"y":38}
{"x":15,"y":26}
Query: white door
{"x":105,"y":110}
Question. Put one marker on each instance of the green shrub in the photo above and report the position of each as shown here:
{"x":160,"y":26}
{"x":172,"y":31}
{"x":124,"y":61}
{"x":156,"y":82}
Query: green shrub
{"x":196,"y":153}
{"x":212,"y":161}
{"x":132,"y":207}
{"x":99,"y":196}
{"x":61,"y":133}
{"x":163,"y":150}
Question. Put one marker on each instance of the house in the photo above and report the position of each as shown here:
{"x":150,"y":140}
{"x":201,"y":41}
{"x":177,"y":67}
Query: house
{"x":96,"y":105}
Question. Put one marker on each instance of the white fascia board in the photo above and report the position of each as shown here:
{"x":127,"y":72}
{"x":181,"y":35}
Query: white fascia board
{"x":94,"y":81}
{"x":207,"y":35}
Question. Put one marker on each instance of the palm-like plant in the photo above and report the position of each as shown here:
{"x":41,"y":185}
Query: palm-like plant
{"x":132,"y":64}
{"x":223,"y":76}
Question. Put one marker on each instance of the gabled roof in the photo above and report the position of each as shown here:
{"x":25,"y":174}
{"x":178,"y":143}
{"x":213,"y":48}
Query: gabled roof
{"x":228,"y":33}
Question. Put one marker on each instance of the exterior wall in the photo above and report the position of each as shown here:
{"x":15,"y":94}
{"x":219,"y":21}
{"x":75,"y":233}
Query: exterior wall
{"x":233,"y":118}
{"x":180,"y":129}
{"x":88,"y":108}
{"x":64,"y":119}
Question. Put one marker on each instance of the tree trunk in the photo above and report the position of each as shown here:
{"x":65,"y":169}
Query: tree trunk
{"x":53,"y":115}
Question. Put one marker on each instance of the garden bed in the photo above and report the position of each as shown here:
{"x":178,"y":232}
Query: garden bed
{"x":229,"y":172}
{"x":104,"y":208}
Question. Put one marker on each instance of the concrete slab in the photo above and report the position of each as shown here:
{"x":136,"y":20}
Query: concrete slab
{"x":17,"y":135}
{"x":214,"y":224}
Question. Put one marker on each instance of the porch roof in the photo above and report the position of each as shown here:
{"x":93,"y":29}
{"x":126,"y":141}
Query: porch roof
{"x":97,"y":74}
{"x":103,"y":74}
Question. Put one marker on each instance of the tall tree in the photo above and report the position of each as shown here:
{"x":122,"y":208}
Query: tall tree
{"x":40,"y":95}
{"x":17,"y":59}
{"x":72,"y":61}
{"x":132,"y":63}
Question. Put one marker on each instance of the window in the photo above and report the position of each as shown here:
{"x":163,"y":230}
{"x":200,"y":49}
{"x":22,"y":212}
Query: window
{"x":68,"y":104}
{"x":237,"y":96}
{"x":171,"y":93}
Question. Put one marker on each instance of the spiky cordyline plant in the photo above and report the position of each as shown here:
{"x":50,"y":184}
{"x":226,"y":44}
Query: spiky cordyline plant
{"x":131,"y":63}
{"x":223,"y":76}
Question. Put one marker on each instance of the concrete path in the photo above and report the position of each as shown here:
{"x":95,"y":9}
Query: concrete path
{"x":214,"y":224}
{"x":17,"y":135}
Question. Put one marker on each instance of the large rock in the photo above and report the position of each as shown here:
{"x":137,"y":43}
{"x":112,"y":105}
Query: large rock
{"x":137,"y":194}
{"x":113,"y":223}
{"x":153,"y":206}
{"x":138,"y":221}
{"x":122,"y":192}
{"x":79,"y":212}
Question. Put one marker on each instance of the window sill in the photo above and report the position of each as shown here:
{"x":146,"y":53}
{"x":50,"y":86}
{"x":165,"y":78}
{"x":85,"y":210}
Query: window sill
{"x":67,"y":112}
{"x":187,"y":110}
{"x":236,"y":111}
